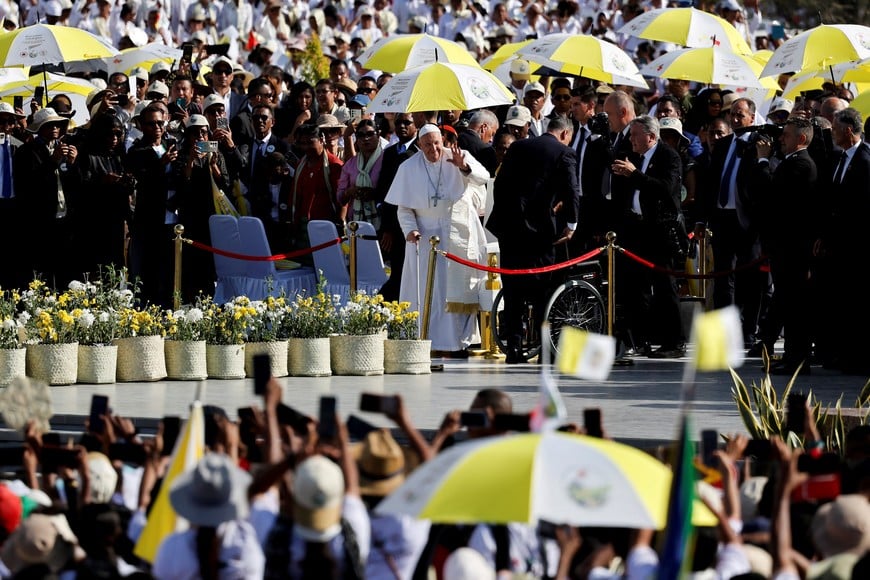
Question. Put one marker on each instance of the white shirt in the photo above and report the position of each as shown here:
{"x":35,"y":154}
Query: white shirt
{"x":635,"y":202}
{"x":401,"y":538}
{"x":240,"y":554}
{"x":732,"y":184}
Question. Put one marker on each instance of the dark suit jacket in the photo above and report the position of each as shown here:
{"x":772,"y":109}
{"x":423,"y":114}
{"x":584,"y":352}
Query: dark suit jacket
{"x":659,"y":185}
{"x":483,"y":152}
{"x":790,"y":226}
{"x":850,"y":206}
{"x":707,"y":195}
{"x":536,"y":175}
{"x":594,"y":213}
{"x":390,"y":163}
{"x":257,"y":182}
{"x":242,"y":125}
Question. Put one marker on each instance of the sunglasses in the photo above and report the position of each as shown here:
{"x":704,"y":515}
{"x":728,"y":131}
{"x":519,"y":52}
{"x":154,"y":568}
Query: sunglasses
{"x":222,"y":71}
{"x":405,"y":122}
{"x":365,"y":90}
{"x":365,"y":134}
{"x":260,"y":117}
{"x":262,"y":96}
{"x":714,"y":103}
{"x":561,"y":97}
{"x":152,"y":123}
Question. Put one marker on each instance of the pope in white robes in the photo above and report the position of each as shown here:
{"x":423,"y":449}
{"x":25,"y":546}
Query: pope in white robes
{"x":433,"y":199}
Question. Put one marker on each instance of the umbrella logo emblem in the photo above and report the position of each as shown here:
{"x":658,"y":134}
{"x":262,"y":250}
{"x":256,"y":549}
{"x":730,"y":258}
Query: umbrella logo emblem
{"x":618,"y":64}
{"x":478,"y":89}
{"x":588,"y":494}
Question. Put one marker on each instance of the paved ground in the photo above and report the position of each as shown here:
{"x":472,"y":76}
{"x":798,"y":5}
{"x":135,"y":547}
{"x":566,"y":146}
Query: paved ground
{"x":640,"y":403}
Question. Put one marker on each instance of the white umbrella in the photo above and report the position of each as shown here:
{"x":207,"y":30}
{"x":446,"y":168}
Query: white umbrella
{"x":130,"y":58}
{"x":584,"y":56}
{"x":688,"y":27}
{"x":819,"y":48}
{"x":76,"y":89}
{"x":710,"y":66}
{"x":441,"y":86}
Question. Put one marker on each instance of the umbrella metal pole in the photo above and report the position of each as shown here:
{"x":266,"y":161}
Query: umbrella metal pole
{"x":430,"y":283}
{"x":45,"y":85}
{"x":353,"y":227}
{"x":176,"y":286}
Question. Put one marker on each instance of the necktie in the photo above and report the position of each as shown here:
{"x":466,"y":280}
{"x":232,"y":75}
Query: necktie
{"x":841,"y":168}
{"x":725,"y":184}
{"x":617,"y":141}
{"x":581,"y":142}
{"x":401,"y":148}
{"x":6,"y":169}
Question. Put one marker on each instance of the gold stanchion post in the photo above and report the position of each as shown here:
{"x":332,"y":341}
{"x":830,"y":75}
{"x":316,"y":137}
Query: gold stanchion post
{"x":176,"y":283}
{"x":430,"y":284}
{"x":702,"y":256}
{"x":487,"y":333}
{"x":353,"y":227}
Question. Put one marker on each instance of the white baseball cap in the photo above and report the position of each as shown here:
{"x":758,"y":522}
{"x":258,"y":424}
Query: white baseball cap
{"x":518,"y":115}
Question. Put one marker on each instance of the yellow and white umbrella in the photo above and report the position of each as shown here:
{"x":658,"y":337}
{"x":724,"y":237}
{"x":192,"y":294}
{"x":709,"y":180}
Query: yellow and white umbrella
{"x":505,"y":53}
{"x":819,"y":48}
{"x":861,"y":103}
{"x":814,"y":80}
{"x":403,"y":51}
{"x":441,"y":86}
{"x":76,"y":89}
{"x":557,"y":477}
{"x":47,"y":43}
{"x":712,"y":66}
{"x":584,"y":56}
{"x":688,"y":27}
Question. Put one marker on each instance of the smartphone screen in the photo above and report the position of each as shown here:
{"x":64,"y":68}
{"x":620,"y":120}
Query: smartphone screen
{"x":123,"y":100}
{"x":38,"y":93}
{"x":592,"y":422}
{"x":474,"y":419}
{"x":709,"y":444}
{"x":289,"y":416}
{"x":18,"y":102}
{"x":512,"y":422}
{"x":262,"y":373}
{"x":386,"y":404}
{"x":187,"y":51}
{"x":171,"y":428}
{"x":327,"y":427}
{"x":796,"y":412}
{"x":99,"y":407}
{"x":357,"y":428}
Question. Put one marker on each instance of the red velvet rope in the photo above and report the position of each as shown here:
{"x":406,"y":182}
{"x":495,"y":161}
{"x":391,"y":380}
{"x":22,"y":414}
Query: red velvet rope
{"x":541,"y":270}
{"x":274,"y":258}
{"x":681,"y":274}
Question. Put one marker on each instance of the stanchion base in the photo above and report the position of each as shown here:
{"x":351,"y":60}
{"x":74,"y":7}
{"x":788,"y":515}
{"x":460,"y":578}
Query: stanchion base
{"x":437,"y":368}
{"x":494,"y":355}
{"x":477,"y":352}
{"x":623,"y":362}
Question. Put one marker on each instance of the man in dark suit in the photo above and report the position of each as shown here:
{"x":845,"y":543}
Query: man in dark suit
{"x":392,"y":238}
{"x":537,"y":176}
{"x":648,"y":203}
{"x":728,"y":205}
{"x":592,"y":149}
{"x":46,"y":183}
{"x":789,"y":201}
{"x":260,"y":92}
{"x":477,"y":138}
{"x":256,"y":176}
{"x":842,"y":242}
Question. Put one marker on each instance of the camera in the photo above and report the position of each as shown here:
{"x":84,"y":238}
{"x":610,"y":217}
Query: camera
{"x":599,"y":125}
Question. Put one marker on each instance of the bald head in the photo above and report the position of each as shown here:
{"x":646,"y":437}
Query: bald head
{"x":831,"y":106}
{"x":620,"y":110}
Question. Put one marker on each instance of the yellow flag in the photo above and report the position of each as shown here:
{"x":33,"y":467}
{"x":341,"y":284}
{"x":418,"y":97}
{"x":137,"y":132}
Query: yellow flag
{"x":718,"y":338}
{"x":585,"y":354}
{"x":162,"y":520}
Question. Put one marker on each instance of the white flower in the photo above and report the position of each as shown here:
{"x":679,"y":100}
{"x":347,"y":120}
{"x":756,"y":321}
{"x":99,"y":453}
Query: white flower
{"x":9,"y":324}
{"x":23,"y":318}
{"x":194,"y":315}
{"x":87,"y":319}
{"x":104,"y":317}
{"x":76,"y":286}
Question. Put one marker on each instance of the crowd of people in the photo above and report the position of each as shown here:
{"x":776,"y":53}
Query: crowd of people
{"x":278,"y":494}
{"x":244,"y":122}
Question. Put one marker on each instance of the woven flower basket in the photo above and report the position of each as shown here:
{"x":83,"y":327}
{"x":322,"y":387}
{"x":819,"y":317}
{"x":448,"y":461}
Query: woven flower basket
{"x":97,"y":364}
{"x":12,"y":364}
{"x":185,"y":360}
{"x":140,"y":359}
{"x":277,"y":351}
{"x":55,"y":364}
{"x":225,"y":361}
{"x":407,"y":357}
{"x":357,"y":354}
{"x":309,"y":357}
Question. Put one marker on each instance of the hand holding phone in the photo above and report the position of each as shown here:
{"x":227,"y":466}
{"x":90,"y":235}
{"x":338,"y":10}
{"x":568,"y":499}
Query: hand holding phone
{"x":171,"y":429}
{"x":796,"y":412}
{"x":262,"y":373}
{"x":709,"y":445}
{"x":474,"y":419}
{"x":592,"y":422}
{"x":384,"y":404}
{"x":99,"y":409}
{"x":327,"y":427}
{"x":38,"y":94}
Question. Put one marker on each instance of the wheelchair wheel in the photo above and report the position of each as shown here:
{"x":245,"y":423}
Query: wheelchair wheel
{"x":575,"y":303}
{"x":531,"y":341}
